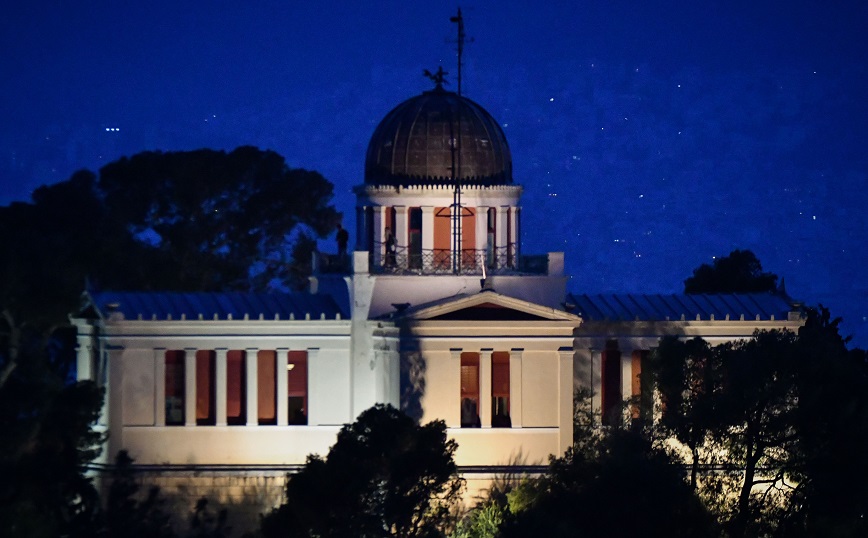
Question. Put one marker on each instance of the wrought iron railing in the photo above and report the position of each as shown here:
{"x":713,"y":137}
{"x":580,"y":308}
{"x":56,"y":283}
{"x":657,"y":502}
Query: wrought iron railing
{"x":404,"y":260}
{"x":496,"y":261}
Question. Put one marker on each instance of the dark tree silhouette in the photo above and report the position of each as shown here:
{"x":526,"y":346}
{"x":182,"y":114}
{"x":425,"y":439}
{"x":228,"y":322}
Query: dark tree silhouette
{"x":784,"y":416}
{"x":385,"y":476}
{"x":739,"y":272}
{"x":619,"y":486}
{"x":211,"y":216}
{"x":46,"y":442}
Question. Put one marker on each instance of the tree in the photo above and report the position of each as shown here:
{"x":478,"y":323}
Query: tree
{"x":385,"y":476}
{"x":212,"y":217}
{"x":780,"y":417}
{"x":47,"y":441}
{"x":739,"y":272}
{"x":619,"y":486}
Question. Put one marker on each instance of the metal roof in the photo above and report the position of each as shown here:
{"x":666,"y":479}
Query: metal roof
{"x":676,"y":307}
{"x":220,"y":305}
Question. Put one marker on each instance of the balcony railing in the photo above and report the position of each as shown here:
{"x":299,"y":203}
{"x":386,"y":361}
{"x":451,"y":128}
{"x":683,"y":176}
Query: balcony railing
{"x":406,"y":261}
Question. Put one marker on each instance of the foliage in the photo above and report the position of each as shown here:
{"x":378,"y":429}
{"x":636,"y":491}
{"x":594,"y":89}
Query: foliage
{"x":385,"y":476}
{"x":129,"y":514}
{"x":186,"y":221}
{"x":211,"y":215}
{"x":762,"y":414}
{"x":739,"y":272}
{"x":617,"y":486}
{"x":47,"y":440}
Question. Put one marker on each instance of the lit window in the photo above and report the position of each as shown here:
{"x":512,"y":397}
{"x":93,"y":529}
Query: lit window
{"x":500,"y":390}
{"x":470,"y":390}
{"x":236,"y":390}
{"x":296,"y":376}
{"x":174,"y":387}
{"x":205,"y":394}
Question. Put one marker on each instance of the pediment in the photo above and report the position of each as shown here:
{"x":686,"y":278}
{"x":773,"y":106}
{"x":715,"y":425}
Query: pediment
{"x":487,"y":306}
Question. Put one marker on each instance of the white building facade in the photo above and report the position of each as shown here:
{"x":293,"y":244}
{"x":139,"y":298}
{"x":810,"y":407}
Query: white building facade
{"x":436,"y":311}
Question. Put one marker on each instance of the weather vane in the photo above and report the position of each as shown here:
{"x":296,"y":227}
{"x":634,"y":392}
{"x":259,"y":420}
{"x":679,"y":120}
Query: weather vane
{"x":439,"y":77}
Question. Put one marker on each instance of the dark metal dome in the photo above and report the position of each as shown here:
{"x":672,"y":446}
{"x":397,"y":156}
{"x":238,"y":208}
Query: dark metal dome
{"x":413,"y":144}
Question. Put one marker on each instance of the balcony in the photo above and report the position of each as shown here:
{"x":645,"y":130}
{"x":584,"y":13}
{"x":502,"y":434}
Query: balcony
{"x":406,"y":261}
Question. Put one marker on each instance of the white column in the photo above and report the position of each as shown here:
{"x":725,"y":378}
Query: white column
{"x":626,"y":374}
{"x":515,"y":386}
{"x":379,"y":229}
{"x":597,"y":383}
{"x":189,"y":386}
{"x":500,"y":241}
{"x":485,"y":387}
{"x":220,"y":384}
{"x":454,"y":418}
{"x":512,"y":241}
{"x":252,"y":386}
{"x":565,"y":398}
{"x":481,"y":227}
{"x":427,"y":236}
{"x":401,"y":229}
{"x":160,"y":387}
{"x":282,"y":387}
{"x":313,"y":383}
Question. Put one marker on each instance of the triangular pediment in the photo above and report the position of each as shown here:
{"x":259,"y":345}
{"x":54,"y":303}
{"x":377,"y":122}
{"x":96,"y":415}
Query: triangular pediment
{"x":487,"y":306}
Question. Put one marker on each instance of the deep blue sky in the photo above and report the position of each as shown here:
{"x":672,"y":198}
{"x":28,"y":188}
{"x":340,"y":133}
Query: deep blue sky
{"x":649,"y":137}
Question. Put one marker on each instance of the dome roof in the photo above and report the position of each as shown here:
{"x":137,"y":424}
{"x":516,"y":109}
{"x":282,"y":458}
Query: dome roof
{"x":411,"y":146}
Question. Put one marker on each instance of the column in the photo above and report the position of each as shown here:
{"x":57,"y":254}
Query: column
{"x":597,"y":383}
{"x":565,"y":398}
{"x":500,"y":241}
{"x":427,"y":237}
{"x":512,"y":241}
{"x":379,"y":229}
{"x":220,"y":384}
{"x":401,"y":229}
{"x":282,"y":388}
{"x":189,"y":386}
{"x":485,"y":387}
{"x":160,"y":386}
{"x":252,"y":386}
{"x":316,"y":391}
{"x":481,"y":227}
{"x":626,"y":374}
{"x":515,"y":386}
{"x":454,"y":418}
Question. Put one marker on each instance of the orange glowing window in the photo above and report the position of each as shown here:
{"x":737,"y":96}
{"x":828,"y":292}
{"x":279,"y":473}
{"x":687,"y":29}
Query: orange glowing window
{"x":205,"y":394}
{"x":470,"y":390}
{"x":236,"y":390}
{"x":296,"y":377}
{"x":500,"y":390}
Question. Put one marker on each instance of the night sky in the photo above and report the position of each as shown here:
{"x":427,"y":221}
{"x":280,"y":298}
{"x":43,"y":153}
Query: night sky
{"x":649,"y":137}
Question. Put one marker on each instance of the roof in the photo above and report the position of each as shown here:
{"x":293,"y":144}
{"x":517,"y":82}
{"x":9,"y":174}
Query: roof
{"x":485,"y":305}
{"x":419,"y":142}
{"x":210,"y":306}
{"x":642,"y":307}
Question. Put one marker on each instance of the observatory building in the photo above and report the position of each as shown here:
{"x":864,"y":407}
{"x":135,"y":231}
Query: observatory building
{"x":436,"y":310}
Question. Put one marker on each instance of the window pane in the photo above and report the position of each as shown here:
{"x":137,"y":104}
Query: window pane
{"x":470,"y":390}
{"x":236,"y":388}
{"x":174,"y":388}
{"x":296,"y":375}
{"x":500,"y":390}
{"x":205,"y":395}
